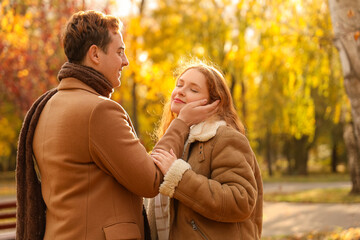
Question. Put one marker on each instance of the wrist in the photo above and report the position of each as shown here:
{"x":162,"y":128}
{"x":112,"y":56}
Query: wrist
{"x":184,"y":121}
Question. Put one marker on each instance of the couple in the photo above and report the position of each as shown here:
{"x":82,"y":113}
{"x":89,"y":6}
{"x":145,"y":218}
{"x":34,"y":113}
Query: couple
{"x":82,"y":173}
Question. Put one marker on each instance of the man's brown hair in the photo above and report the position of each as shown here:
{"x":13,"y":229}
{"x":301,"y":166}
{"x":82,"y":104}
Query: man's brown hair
{"x":87,"y":28}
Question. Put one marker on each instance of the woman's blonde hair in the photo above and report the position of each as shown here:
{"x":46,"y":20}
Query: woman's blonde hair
{"x":218,"y":90}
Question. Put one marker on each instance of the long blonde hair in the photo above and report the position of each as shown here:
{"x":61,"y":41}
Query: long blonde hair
{"x":218,"y":90}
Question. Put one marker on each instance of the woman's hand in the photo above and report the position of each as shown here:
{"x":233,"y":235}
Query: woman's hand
{"x":196,"y":112}
{"x":163,"y":159}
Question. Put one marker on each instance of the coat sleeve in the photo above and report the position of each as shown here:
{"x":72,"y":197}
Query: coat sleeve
{"x":231,"y":192}
{"x":118,"y":152}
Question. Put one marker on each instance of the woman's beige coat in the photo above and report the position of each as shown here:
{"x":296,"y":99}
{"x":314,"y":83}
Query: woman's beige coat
{"x":94,"y":170}
{"x":216,"y":191}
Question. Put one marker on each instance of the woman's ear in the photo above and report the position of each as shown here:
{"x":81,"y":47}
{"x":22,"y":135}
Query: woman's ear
{"x":94,"y":54}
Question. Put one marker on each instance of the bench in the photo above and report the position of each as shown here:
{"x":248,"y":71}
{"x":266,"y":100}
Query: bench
{"x":7,"y":219}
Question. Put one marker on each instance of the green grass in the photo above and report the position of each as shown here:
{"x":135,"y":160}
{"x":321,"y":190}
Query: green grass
{"x":333,"y":195}
{"x":312,"y":177}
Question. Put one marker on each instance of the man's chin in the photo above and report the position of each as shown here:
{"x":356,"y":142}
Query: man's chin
{"x":118,"y":83}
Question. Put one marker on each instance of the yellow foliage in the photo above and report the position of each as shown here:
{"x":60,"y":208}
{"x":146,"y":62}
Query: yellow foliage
{"x":348,"y":234}
{"x":23,"y":73}
{"x":135,"y":27}
{"x":12,"y":27}
{"x":274,"y":53}
{"x":7,"y":136}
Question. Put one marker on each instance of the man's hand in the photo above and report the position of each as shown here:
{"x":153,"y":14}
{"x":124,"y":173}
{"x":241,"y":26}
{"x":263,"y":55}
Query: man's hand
{"x":196,"y":112}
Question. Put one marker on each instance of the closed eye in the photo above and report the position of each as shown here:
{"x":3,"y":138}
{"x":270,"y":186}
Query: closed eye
{"x":121,"y":52}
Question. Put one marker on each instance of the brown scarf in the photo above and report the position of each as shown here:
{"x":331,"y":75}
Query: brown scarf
{"x":31,"y":209}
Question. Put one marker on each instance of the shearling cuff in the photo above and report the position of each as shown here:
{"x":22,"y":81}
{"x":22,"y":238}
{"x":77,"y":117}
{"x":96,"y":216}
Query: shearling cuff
{"x":173,"y":177}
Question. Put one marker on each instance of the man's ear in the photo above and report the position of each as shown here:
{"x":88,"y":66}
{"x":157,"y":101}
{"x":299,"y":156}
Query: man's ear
{"x":94,"y":54}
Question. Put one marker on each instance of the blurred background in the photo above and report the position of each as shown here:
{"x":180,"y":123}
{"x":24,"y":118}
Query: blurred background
{"x":278,"y":57}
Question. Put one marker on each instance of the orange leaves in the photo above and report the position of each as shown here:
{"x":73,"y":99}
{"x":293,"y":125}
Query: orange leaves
{"x":23,"y":73}
{"x":347,"y":234}
{"x":350,"y":13}
{"x":30,"y":51}
{"x":357,"y":35}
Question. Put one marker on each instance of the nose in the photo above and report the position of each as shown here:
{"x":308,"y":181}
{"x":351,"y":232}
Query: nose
{"x":181,"y":92}
{"x":125,"y":61}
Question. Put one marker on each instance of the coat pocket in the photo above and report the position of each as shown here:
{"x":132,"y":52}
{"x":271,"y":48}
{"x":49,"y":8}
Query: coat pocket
{"x":196,"y":228}
{"x":122,"y":230}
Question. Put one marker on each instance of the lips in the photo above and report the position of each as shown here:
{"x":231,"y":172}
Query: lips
{"x":177,"y":100}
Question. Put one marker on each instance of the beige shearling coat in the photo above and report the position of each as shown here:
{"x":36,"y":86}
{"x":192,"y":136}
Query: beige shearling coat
{"x":216,"y":188}
{"x":94,"y":170}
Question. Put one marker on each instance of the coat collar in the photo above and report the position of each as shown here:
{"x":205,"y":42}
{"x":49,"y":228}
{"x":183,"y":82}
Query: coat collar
{"x":73,"y":83}
{"x":205,"y":130}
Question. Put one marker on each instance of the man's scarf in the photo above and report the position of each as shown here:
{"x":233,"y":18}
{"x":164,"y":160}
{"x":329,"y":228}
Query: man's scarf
{"x":31,"y":208}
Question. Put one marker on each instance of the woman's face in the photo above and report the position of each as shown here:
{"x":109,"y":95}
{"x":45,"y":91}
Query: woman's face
{"x":191,"y":86}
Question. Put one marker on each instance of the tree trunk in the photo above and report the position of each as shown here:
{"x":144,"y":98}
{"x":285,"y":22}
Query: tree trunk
{"x":301,"y":155}
{"x":334,"y":158}
{"x":134,"y":84}
{"x":243,"y":99}
{"x":134,"y":106}
{"x":345,"y":16}
{"x":353,"y":157}
{"x":287,"y":151}
{"x":233,"y":83}
{"x":268,"y":155}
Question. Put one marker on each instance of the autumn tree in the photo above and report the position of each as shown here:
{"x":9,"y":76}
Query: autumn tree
{"x":276,"y":61}
{"x":276,"y":55}
{"x":30,"y":57}
{"x":346,"y":24}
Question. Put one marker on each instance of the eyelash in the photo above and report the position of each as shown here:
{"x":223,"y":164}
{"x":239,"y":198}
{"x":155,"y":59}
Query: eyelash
{"x":193,"y":90}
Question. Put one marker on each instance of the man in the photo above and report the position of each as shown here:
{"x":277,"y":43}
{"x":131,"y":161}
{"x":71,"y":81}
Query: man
{"x":92,"y":167}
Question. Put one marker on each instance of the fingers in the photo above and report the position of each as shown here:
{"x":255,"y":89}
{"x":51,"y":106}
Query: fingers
{"x":156,"y":157}
{"x":208,"y":110}
{"x":159,"y":165}
{"x":163,"y":159}
{"x":163,"y":152}
{"x":157,"y":162}
{"x":212,"y":106}
{"x":172,"y":153}
{"x":195,"y":112}
{"x":197,"y":103}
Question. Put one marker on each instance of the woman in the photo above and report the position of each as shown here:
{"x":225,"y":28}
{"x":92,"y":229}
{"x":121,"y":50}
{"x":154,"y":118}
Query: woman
{"x":215,"y":189}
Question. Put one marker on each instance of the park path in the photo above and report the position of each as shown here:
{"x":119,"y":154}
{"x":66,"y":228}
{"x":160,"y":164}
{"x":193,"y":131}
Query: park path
{"x":283,"y":218}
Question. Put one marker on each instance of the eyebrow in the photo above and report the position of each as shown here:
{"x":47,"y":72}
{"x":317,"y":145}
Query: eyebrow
{"x":192,"y":83}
